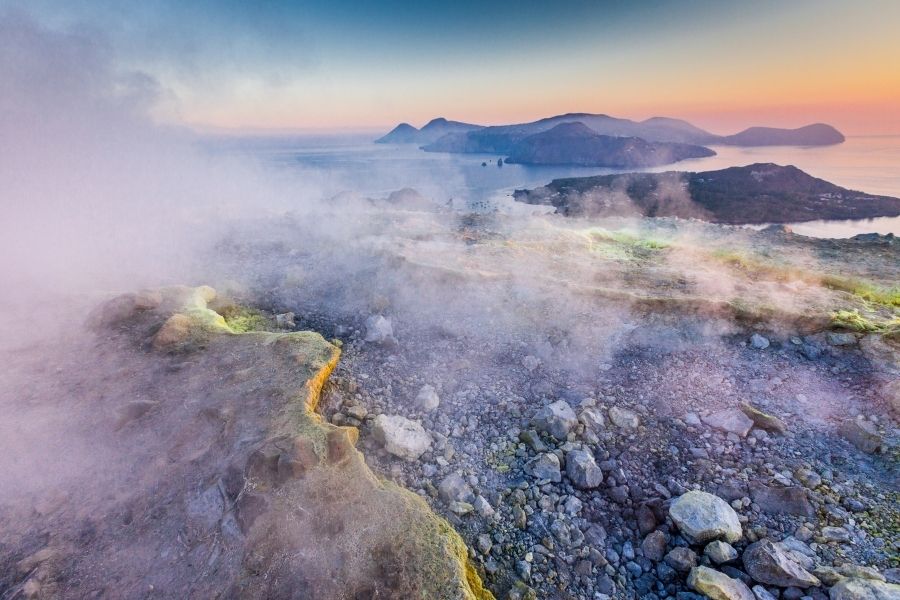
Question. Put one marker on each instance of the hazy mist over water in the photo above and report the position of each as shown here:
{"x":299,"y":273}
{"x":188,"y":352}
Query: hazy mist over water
{"x":353,"y":162}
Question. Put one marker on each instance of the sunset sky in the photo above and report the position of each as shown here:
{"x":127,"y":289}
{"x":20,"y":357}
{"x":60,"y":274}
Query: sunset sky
{"x":339,"y":64}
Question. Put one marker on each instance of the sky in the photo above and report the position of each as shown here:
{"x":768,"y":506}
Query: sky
{"x":270,"y":65}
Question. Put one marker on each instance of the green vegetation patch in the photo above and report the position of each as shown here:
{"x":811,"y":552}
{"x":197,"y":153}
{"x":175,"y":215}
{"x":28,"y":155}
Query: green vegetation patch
{"x":854,"y":321}
{"x":864,"y":290}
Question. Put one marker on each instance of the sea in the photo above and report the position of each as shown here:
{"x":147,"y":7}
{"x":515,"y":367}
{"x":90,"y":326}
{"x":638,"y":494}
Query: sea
{"x":353,"y":163}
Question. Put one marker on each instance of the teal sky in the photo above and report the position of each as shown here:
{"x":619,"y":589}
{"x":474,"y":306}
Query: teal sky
{"x":339,"y":64}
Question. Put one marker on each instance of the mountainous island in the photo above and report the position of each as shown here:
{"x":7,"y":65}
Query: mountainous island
{"x":577,"y":144}
{"x":576,"y":139}
{"x":753,"y":194}
{"x":404,"y":133}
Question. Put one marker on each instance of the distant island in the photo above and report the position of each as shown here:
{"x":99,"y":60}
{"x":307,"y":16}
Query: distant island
{"x":818,"y":134}
{"x":404,"y":133}
{"x":546,"y":142}
{"x":754,"y":194}
{"x":577,"y":144}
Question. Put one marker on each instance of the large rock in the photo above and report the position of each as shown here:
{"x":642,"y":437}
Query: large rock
{"x":427,"y":398}
{"x":557,"y":419}
{"x":400,"y":436}
{"x":730,"y":420}
{"x":703,"y":517}
{"x":583,"y":470}
{"x":624,"y":418}
{"x":379,"y":330}
{"x":720,"y":552}
{"x":862,"y":434}
{"x":791,"y":500}
{"x":763,"y":420}
{"x":864,"y":589}
{"x":766,"y":563}
{"x":654,"y":546}
{"x":718,"y":586}
{"x":544,"y":467}
{"x":454,"y":488}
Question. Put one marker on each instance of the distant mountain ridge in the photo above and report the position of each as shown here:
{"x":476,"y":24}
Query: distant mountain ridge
{"x":404,"y":133}
{"x":577,"y":144}
{"x":817,"y":134}
{"x":753,"y":194}
{"x":441,"y":135}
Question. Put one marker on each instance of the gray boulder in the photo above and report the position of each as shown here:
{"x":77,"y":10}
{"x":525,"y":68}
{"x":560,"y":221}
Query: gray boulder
{"x":379,"y":330}
{"x":862,"y":434}
{"x":703,"y":517}
{"x":454,"y":488}
{"x":731,"y":420}
{"x":544,"y":467}
{"x":759,"y":342}
{"x":864,"y":589}
{"x":681,"y":558}
{"x":427,"y":398}
{"x":720,"y":552}
{"x":654,"y":546}
{"x":624,"y":418}
{"x":583,"y":470}
{"x":791,"y":500}
{"x":765,"y":562}
{"x":557,"y":419}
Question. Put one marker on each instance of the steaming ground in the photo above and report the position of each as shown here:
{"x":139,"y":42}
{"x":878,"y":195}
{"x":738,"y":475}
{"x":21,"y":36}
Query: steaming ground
{"x":504,"y":316}
{"x":642,"y":328}
{"x":112,"y":451}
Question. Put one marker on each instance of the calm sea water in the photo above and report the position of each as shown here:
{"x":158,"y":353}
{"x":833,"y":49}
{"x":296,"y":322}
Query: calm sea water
{"x":353,"y":163}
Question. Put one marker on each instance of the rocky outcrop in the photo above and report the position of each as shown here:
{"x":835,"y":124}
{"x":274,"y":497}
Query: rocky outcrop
{"x":272,"y":497}
{"x":757,"y":193}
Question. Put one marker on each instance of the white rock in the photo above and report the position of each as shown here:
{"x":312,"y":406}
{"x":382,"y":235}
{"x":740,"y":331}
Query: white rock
{"x":703,"y":517}
{"x":400,"y":436}
{"x":731,"y":420}
{"x":427,"y":398}
{"x":379,"y":329}
{"x":622,"y":417}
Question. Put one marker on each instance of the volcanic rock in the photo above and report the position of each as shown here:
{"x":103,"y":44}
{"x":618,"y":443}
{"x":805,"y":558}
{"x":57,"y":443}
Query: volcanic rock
{"x":624,"y":418}
{"x":681,"y":558}
{"x":455,"y":488}
{"x":730,"y":420}
{"x":791,"y":500}
{"x":862,"y":434}
{"x":763,"y":420}
{"x":703,"y":517}
{"x":767,"y":563}
{"x":557,"y":419}
{"x":400,"y":436}
{"x":720,"y":552}
{"x":545,"y":467}
{"x":583,"y":470}
{"x":427,"y":398}
{"x":654,"y":546}
{"x":718,"y":586}
{"x":379,"y":329}
{"x":864,"y":589}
